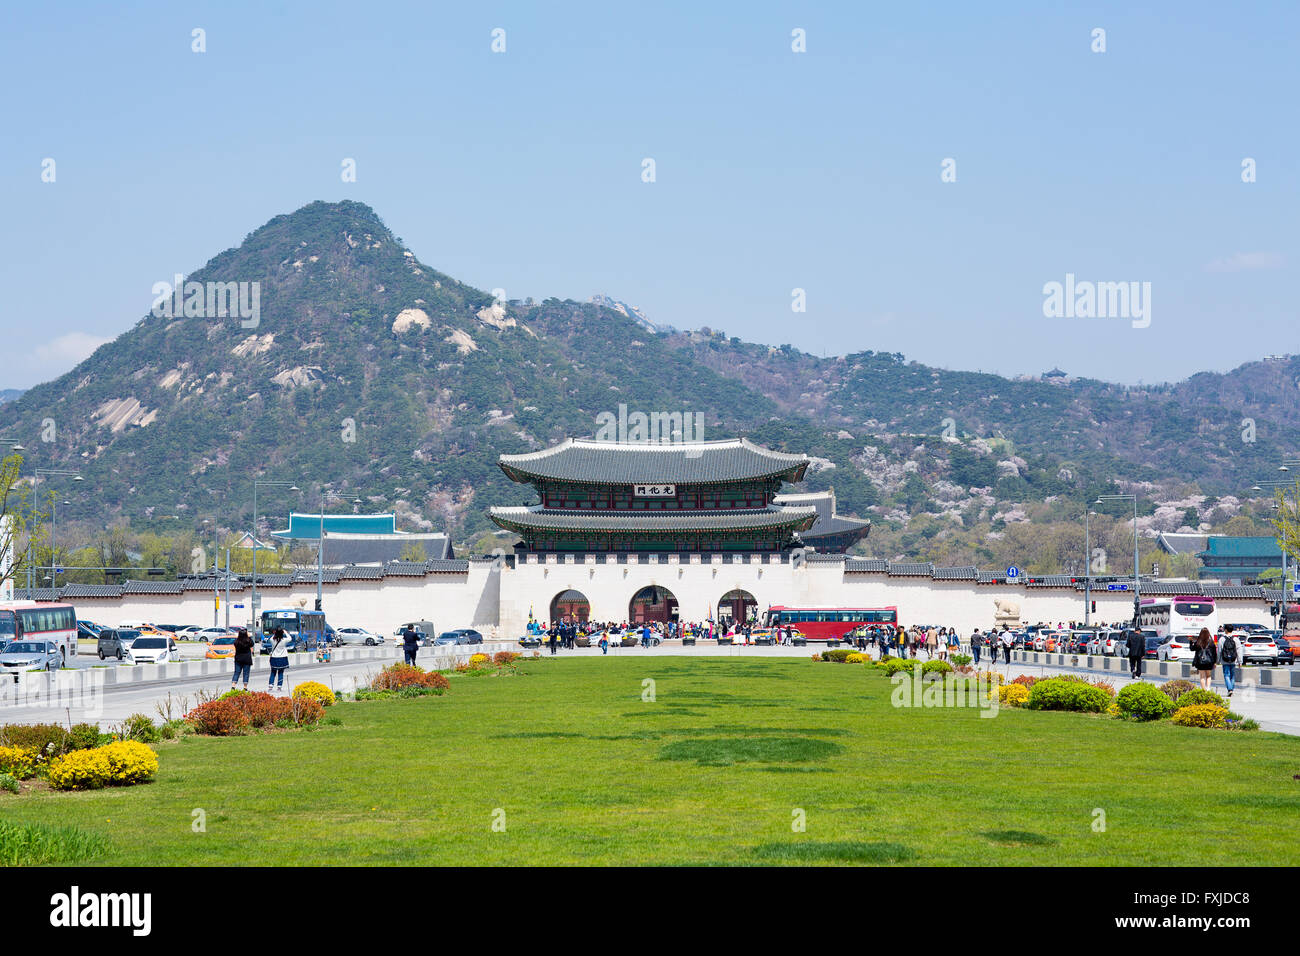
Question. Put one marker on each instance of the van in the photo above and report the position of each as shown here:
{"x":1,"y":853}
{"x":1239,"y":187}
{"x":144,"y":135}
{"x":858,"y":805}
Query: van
{"x":115,"y":642}
{"x":424,"y":629}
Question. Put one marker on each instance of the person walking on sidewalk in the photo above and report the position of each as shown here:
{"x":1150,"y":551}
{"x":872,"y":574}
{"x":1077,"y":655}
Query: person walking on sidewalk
{"x":1136,"y":645}
{"x":1229,"y":655}
{"x":1204,"y":658}
{"x":410,"y":644}
{"x":1007,"y":640}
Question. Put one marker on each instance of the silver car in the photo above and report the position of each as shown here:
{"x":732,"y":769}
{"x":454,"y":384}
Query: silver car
{"x":31,"y":656}
{"x":358,"y":635}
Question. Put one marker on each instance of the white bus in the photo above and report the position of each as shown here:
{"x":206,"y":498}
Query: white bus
{"x":40,"y":621}
{"x":1182,"y":616}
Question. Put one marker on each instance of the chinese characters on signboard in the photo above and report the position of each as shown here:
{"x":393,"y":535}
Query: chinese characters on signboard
{"x":655,"y":491}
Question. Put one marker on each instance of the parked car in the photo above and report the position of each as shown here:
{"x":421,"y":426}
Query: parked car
{"x":1153,"y":643}
{"x":763,"y":636}
{"x":1259,"y":648}
{"x":1101,"y":643}
{"x":115,"y":642}
{"x":147,"y":649}
{"x":359,"y":635}
{"x":1176,"y":648}
{"x":220,"y":648}
{"x":212,"y":633}
{"x":31,"y":656}
{"x":461,"y":635}
{"x":1251,"y":628}
{"x":1285,"y":648}
{"x":531,"y":640}
{"x":88,"y":631}
{"x":188,"y":632}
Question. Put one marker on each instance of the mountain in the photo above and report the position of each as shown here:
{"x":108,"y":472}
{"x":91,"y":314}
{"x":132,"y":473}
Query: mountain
{"x":369,"y":373}
{"x":9,"y":394}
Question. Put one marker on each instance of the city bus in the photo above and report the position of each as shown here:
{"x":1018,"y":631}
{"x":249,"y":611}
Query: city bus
{"x":1182,"y":616}
{"x":829,"y":623}
{"x":305,"y":629}
{"x":40,"y":621}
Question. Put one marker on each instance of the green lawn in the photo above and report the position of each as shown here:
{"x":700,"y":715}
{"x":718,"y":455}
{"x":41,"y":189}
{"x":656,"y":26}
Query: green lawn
{"x":712,"y":772}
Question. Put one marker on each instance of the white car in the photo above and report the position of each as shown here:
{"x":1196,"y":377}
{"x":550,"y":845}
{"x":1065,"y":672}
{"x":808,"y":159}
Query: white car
{"x":1259,"y":647}
{"x":212,"y":633}
{"x":1176,"y":648}
{"x":358,"y":635}
{"x":152,"y":650}
{"x":188,"y":633}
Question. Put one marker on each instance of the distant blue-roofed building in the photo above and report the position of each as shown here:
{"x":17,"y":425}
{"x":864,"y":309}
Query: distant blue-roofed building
{"x":1239,"y":560}
{"x":364,"y":539}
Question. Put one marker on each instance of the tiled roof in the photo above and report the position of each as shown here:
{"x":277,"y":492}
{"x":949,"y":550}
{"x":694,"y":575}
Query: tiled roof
{"x":1049,"y":581}
{"x":92,"y":590}
{"x":956,"y":574}
{"x":991,"y":577}
{"x":406,"y":569}
{"x":629,"y":463}
{"x":539,"y":519}
{"x":866,"y":566}
{"x":151,"y":587}
{"x":1232,"y":590}
{"x":1169,"y":587}
{"x":37,"y":594}
{"x":361,"y":573}
{"x":274,"y":580}
{"x":447,"y":566}
{"x":910,"y":569}
{"x":308,"y":576}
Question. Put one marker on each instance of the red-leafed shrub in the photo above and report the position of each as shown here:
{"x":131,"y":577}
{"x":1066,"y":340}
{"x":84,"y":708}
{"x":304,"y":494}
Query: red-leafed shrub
{"x":219,"y":718}
{"x":240,"y":712}
{"x":504,"y":658}
{"x":397,"y":676}
{"x":1026,"y":680}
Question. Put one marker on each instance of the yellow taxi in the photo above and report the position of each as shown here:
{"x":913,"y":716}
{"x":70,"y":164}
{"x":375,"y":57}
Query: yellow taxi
{"x":220,"y":648}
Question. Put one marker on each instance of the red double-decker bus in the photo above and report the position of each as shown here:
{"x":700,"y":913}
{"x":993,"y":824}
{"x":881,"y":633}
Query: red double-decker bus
{"x":829,"y":623}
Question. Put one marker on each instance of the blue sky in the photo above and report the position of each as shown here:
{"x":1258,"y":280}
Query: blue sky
{"x":775,"y":170}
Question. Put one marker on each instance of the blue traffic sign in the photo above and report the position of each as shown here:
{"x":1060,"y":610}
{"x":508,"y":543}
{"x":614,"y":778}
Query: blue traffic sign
{"x":1295,"y":589}
{"x":1013,"y":572}
{"x":1117,"y":587}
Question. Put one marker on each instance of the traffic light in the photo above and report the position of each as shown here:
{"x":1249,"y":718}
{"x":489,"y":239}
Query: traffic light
{"x":1094,"y":607}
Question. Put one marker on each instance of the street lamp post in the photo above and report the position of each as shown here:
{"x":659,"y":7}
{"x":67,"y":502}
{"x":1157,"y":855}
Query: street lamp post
{"x":1137,"y":579}
{"x":1087,"y":568}
{"x":54,"y":572}
{"x":256,"y":483}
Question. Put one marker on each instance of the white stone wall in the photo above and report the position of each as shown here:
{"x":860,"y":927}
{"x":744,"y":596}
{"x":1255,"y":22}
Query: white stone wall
{"x":488,"y":596}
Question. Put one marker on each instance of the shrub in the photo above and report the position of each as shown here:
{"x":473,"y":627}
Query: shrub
{"x":1026,"y":681}
{"x":960,"y":660}
{"x":1013,"y":695}
{"x":397,"y":676}
{"x":1176,"y":688}
{"x":1197,"y":696}
{"x":856,"y":658}
{"x":232,"y":693}
{"x":1201,"y":715}
{"x":139,"y":727}
{"x":49,"y":740}
{"x":936,"y":667}
{"x":505,"y":658}
{"x":122,"y":763}
{"x":1057,"y":694}
{"x":219,"y":718}
{"x":1236,"y":722}
{"x":477,"y":659}
{"x":18,"y":761}
{"x":989,"y":677}
{"x":837,"y":656}
{"x":1143,"y":701}
{"x":1106,"y":686}
{"x":316,"y":691}
{"x":896,"y":664}
{"x":84,"y":736}
{"x":9,"y":782}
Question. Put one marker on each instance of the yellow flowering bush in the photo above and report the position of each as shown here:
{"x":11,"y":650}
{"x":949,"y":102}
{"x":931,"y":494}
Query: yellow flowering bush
{"x":1201,"y":715}
{"x":1013,"y":695}
{"x":315,"y":690}
{"x":121,"y":763}
{"x":477,"y":660}
{"x":856,"y":659}
{"x":19,"y":762}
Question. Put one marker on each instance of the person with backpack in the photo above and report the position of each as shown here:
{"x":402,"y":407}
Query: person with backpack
{"x":1204,"y":657}
{"x":1229,"y":655}
{"x":279,"y":660}
{"x":1136,"y":646}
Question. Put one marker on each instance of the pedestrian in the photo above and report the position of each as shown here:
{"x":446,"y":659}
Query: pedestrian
{"x":553,"y":638}
{"x":279,"y":660}
{"x":1136,"y":646}
{"x":604,"y":643}
{"x":976,"y":641}
{"x":243,"y":658}
{"x":1229,"y":654}
{"x":410,"y":644}
{"x":1007,"y":640}
{"x":1204,"y":658}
